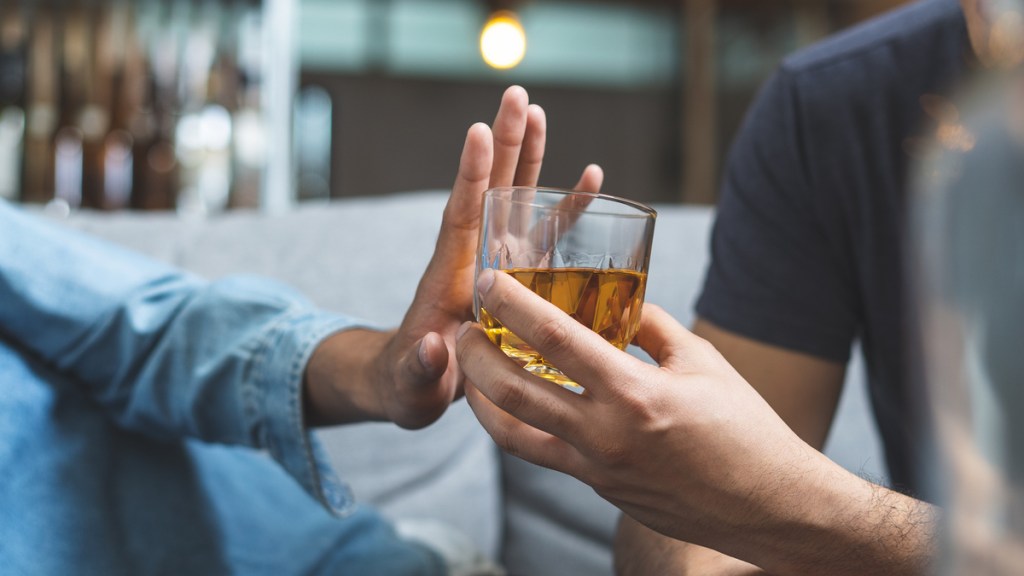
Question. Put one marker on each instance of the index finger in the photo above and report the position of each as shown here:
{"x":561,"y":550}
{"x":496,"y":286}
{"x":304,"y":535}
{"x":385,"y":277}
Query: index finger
{"x":515,"y":391}
{"x":461,"y":220}
{"x":519,"y":438}
{"x":577,"y":351}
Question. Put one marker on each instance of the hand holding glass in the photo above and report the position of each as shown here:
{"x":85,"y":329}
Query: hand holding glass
{"x":586,"y":253}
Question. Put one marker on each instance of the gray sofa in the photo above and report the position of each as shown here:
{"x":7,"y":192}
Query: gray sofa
{"x":363,"y":257}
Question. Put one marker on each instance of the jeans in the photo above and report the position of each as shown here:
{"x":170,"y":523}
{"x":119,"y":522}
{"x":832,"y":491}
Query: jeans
{"x":151,"y":422}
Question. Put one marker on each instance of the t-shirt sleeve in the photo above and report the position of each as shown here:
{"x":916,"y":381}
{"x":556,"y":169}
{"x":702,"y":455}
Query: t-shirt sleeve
{"x":778,"y":272}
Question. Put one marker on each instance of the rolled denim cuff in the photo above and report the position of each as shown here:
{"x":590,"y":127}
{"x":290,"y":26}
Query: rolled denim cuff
{"x":273,"y":405}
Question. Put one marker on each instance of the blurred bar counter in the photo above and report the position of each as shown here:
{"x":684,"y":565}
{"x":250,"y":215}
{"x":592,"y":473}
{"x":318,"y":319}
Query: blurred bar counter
{"x":151,"y":105}
{"x":205,"y":105}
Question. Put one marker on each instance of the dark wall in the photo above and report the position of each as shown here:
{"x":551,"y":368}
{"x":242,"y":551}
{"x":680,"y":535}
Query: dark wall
{"x":400,"y":134}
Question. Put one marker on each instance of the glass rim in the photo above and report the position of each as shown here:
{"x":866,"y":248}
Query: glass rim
{"x":646,"y":211}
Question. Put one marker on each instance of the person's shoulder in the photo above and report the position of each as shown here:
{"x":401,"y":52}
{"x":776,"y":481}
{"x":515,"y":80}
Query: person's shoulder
{"x":919,"y":27}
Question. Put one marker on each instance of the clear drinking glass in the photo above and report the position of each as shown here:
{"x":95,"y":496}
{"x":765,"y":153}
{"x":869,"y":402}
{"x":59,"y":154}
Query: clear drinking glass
{"x":586,"y":253}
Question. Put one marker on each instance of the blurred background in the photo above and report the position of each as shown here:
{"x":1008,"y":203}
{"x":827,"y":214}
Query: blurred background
{"x":205,"y":105}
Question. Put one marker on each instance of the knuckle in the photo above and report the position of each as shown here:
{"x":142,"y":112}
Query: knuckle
{"x":708,"y":350}
{"x":508,"y":136}
{"x":509,"y":393}
{"x":466,"y":350}
{"x":454,"y":219}
{"x":462,"y":351}
{"x":705,"y":349}
{"x":634,"y":403}
{"x":554,"y":336}
{"x":463,"y":354}
{"x":497,"y":298}
{"x":699,"y":354}
{"x":611,"y":454}
{"x":647,"y":410}
{"x":508,"y":443}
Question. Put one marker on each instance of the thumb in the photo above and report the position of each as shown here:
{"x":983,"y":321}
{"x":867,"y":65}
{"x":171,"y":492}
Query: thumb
{"x":667,"y":341}
{"x":423,"y":362}
{"x":419,"y":395}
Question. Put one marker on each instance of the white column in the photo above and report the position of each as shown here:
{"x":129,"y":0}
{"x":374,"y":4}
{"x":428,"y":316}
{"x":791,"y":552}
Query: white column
{"x":280,"y":73}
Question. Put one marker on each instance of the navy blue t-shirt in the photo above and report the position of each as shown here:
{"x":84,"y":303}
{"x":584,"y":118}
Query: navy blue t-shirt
{"x":807,"y":250}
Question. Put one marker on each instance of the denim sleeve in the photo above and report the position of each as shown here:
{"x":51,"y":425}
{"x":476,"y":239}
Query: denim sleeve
{"x":165,"y":353}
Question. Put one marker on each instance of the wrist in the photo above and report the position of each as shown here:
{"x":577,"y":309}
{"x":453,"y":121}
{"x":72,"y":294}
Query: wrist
{"x":340,"y":384}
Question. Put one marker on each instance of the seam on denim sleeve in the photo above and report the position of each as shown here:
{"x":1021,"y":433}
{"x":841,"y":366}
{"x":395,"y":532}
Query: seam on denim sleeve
{"x":295,"y":384}
{"x":294,"y":337}
{"x":253,"y":398}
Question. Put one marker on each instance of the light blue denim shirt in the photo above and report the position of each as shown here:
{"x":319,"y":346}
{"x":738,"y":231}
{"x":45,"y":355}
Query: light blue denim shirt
{"x":151,"y":422}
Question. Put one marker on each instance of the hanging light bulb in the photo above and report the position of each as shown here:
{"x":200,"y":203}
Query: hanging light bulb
{"x":503,"y":40}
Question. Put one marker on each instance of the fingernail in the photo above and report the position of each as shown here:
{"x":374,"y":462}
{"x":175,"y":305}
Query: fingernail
{"x":462,"y":330}
{"x":422,"y":354}
{"x":485,"y":281}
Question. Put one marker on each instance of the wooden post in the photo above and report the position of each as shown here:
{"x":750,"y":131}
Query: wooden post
{"x":700,"y":119}
{"x":811,"y":20}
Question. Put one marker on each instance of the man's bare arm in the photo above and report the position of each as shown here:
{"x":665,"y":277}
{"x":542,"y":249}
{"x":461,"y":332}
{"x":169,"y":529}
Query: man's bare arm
{"x":687,"y":448}
{"x":804,"y":391}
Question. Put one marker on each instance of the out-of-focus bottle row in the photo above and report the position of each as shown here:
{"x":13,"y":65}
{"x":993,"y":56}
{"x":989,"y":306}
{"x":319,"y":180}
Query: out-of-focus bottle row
{"x":150,"y":104}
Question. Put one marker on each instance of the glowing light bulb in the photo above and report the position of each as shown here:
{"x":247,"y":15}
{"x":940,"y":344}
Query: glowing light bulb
{"x":503,"y":41}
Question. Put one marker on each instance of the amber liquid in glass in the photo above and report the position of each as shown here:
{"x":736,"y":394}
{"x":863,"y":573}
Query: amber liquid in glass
{"x":606,"y":301}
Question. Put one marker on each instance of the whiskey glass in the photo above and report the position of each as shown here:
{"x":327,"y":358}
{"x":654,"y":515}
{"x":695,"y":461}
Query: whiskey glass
{"x":586,"y":253}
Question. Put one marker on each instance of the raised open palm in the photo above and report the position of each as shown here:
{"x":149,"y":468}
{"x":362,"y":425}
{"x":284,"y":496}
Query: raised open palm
{"x":418,"y":374}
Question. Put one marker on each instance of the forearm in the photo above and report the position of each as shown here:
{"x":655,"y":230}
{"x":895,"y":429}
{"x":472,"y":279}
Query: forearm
{"x":803,"y":390}
{"x":836,"y":523}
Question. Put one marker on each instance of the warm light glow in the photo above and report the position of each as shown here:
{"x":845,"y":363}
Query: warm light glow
{"x":503,"y":41}
{"x":950,"y":133}
{"x":956,"y":136}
